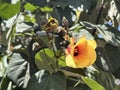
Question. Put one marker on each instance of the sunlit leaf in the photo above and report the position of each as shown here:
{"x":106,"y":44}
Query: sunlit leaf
{"x":43,"y":80}
{"x":19,"y":70}
{"x":110,"y":34}
{"x":28,"y":18}
{"x":5,"y":9}
{"x":30,"y":7}
{"x":46,"y":9}
{"x":24,"y":27}
{"x":81,"y":33}
{"x":92,"y":84}
{"x":45,"y":59}
{"x":3,"y":65}
{"x":61,"y":61}
{"x":114,"y":12}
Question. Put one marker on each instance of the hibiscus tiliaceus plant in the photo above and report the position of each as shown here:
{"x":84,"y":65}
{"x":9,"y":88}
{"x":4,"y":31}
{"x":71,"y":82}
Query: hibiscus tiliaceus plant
{"x":78,"y":54}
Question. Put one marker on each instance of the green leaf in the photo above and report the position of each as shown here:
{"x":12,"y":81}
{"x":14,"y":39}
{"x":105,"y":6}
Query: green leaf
{"x":29,"y":19}
{"x":61,"y":61}
{"x":24,"y":27}
{"x":117,"y":87}
{"x":114,"y":12}
{"x":8,"y":10}
{"x":112,"y":56}
{"x":30,"y":7}
{"x":40,"y":3}
{"x":110,"y":34}
{"x":106,"y":79}
{"x":4,"y":83}
{"x":81,"y":33}
{"x":19,"y":70}
{"x":67,"y":12}
{"x":46,"y":9}
{"x":44,"y":59}
{"x":3,"y":65}
{"x":108,"y":57}
{"x":43,"y":80}
{"x":92,"y":84}
{"x":83,"y":4}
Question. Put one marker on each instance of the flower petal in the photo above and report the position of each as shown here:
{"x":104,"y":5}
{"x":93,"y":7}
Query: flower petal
{"x":69,"y":61}
{"x":82,"y":54}
{"x":86,"y":55}
{"x":92,"y":43}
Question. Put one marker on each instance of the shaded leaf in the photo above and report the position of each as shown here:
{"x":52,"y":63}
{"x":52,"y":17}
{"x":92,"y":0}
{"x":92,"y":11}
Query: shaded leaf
{"x":112,"y":57}
{"x":6,"y":8}
{"x":83,"y":4}
{"x":59,"y":13}
{"x":40,"y":3}
{"x":107,"y":56}
{"x":43,"y":80}
{"x":4,"y":83}
{"x":92,"y":84}
{"x":106,"y":79}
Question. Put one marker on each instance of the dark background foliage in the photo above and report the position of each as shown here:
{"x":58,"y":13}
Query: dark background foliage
{"x":27,"y":60}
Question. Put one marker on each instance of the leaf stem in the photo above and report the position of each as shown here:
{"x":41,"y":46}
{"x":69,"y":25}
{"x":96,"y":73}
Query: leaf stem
{"x":68,"y":73}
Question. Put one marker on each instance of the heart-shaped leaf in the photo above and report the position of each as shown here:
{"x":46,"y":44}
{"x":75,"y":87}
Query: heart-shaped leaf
{"x":19,"y":70}
{"x":43,"y":80}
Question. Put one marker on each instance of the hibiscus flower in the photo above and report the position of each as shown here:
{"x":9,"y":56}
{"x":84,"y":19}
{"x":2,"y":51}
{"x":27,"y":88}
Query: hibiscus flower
{"x":80,"y":54}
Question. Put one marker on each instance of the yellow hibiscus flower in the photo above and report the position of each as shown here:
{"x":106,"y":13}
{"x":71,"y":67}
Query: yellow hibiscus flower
{"x":81,"y":54}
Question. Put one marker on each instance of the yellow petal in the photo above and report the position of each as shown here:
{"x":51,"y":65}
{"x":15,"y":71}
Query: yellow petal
{"x":86,"y":55}
{"x":69,"y":61}
{"x":81,"y":59}
{"x":92,"y":43}
{"x":82,"y":54}
{"x":83,"y":38}
{"x":86,"y":58}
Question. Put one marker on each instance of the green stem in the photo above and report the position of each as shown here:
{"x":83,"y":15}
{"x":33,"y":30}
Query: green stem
{"x":54,"y":49}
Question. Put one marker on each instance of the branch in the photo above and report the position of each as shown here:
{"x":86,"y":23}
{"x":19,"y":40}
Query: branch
{"x":99,"y":15}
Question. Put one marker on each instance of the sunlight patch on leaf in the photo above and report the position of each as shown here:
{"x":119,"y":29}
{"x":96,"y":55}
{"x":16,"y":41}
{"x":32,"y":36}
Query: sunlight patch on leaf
{"x":44,"y":59}
{"x":6,"y":8}
{"x":92,"y":84}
